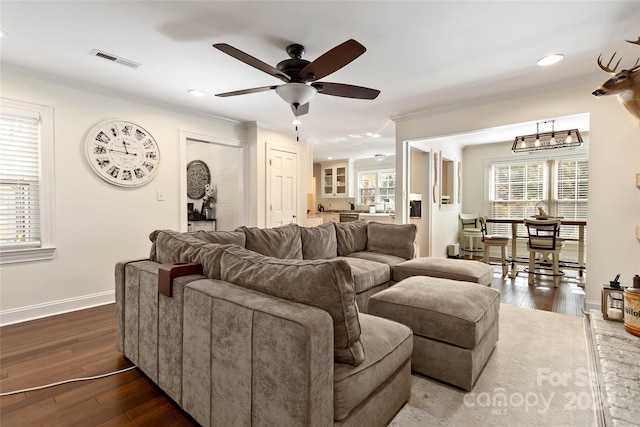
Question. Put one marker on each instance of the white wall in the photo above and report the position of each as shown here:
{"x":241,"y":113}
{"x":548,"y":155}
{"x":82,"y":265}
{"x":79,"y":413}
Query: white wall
{"x":614,"y":159}
{"x":98,"y":224}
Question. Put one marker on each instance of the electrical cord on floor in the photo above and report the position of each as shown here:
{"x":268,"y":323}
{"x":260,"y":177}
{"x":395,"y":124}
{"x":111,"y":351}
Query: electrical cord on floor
{"x":95,"y":377}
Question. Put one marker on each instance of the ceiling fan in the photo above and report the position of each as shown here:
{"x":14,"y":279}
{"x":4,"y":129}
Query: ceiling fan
{"x":300,"y":76}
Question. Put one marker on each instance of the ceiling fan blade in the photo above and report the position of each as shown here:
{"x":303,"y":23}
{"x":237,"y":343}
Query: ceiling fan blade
{"x":250,"y":60}
{"x":246,"y":91}
{"x":332,"y":60}
{"x":300,"y":110}
{"x":345,"y":91}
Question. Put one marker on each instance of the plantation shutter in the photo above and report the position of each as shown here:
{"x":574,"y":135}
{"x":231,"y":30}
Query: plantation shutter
{"x":19,"y":179}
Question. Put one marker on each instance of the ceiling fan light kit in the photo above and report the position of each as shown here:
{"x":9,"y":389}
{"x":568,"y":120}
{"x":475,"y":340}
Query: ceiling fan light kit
{"x":300,"y":76}
{"x":296,"y":93}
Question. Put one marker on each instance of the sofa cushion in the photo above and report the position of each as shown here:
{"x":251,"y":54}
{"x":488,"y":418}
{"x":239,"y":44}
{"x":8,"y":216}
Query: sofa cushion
{"x":173,"y":246}
{"x":367,"y":274}
{"x":280,"y":242}
{"x":352,"y":236}
{"x":222,"y":237}
{"x":319,"y":242}
{"x":325,"y":284}
{"x":388,"y":345}
{"x":393,"y":239}
{"x":390,"y":260}
{"x":210,"y":257}
{"x":446,"y":268}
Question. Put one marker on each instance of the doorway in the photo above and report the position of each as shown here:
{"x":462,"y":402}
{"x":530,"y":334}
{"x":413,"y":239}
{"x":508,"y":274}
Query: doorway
{"x":225,"y":161}
{"x":419,"y":184}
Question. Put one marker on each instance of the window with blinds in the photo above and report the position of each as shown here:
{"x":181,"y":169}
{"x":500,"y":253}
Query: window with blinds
{"x":560,"y":186}
{"x":20,"y":210}
{"x":516,"y":188}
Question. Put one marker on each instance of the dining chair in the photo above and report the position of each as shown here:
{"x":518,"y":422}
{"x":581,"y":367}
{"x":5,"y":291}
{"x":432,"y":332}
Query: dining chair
{"x":470,"y":233}
{"x":543,"y":239}
{"x":490,"y":240}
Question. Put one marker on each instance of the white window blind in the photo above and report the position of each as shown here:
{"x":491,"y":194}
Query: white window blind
{"x":516,"y":188}
{"x":561,"y":186}
{"x":19,"y":179}
{"x":571,"y":188}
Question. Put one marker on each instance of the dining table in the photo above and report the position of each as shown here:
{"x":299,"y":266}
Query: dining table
{"x":580,"y":265}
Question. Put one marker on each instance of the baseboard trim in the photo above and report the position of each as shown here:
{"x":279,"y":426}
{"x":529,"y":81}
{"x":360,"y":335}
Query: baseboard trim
{"x":38,"y":311}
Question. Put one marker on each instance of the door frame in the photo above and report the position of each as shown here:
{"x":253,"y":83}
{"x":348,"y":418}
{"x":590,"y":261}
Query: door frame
{"x":182,"y":163}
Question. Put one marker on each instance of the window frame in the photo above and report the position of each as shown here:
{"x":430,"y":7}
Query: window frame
{"x":550,"y":187}
{"x":47,"y":247}
{"x":378,"y":172}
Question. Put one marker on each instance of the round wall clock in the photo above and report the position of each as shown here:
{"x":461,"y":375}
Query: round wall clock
{"x":198,"y":176}
{"x":122,"y":153}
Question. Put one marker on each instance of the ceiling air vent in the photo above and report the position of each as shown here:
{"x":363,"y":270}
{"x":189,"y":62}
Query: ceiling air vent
{"x":113,"y":58}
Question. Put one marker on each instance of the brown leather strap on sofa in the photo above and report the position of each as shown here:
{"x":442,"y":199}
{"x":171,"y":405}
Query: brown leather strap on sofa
{"x":167,"y":272}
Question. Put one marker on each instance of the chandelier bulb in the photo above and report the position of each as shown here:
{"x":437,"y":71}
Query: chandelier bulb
{"x":569,"y":139}
{"x":537,"y":143}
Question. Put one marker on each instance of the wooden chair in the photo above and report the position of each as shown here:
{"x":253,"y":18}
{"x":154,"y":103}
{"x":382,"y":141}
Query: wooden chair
{"x":489,"y":240}
{"x":544,"y":240}
{"x":470,"y":233}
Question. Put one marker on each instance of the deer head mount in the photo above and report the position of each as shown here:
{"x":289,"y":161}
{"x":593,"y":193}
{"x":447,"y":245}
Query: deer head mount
{"x":625,"y":83}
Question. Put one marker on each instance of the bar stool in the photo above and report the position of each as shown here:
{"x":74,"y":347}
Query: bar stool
{"x":489,"y":240}
{"x":544,"y":240}
{"x":470,"y":233}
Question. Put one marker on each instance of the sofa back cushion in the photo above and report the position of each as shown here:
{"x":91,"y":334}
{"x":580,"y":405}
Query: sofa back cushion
{"x":173,"y":246}
{"x":325,"y":284}
{"x":352,"y":236}
{"x":210,"y":257}
{"x":319,"y":242}
{"x":171,"y":238}
{"x":392,"y":239}
{"x":222,"y":237}
{"x":280,"y":242}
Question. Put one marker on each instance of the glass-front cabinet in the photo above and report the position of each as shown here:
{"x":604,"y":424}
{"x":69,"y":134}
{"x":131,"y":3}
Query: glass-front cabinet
{"x":336,"y":180}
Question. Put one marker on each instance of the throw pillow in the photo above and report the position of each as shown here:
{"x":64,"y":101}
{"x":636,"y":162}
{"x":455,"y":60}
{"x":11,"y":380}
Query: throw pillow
{"x":280,"y":242}
{"x":325,"y":284}
{"x":319,"y":242}
{"x":352,"y":236}
{"x":222,"y":237}
{"x":392,"y":239}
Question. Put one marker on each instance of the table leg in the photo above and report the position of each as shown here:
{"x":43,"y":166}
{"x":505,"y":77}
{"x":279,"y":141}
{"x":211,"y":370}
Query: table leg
{"x":581,"y":277}
{"x":514,"y":245}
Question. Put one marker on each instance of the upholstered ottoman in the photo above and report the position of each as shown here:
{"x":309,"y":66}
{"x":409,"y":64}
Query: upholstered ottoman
{"x":454,"y":324}
{"x":446,"y":268}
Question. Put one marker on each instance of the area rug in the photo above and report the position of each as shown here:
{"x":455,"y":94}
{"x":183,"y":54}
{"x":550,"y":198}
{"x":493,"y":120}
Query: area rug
{"x":538,"y":375}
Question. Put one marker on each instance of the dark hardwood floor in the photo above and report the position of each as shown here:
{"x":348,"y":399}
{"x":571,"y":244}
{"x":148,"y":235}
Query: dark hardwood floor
{"x":82,"y":344}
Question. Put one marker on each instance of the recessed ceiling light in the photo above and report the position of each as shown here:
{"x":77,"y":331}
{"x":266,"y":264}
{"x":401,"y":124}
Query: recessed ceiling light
{"x":372,"y":135}
{"x":550,"y":59}
{"x":195,"y":92}
{"x":355,"y":136}
{"x":329,"y":158}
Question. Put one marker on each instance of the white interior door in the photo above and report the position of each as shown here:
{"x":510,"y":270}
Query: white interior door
{"x":283,"y":194}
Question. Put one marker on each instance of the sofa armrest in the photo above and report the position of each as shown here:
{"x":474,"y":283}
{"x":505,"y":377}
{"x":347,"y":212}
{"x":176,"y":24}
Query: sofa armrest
{"x":253,"y":359}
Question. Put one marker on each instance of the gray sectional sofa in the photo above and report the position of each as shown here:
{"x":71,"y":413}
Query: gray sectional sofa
{"x":274,"y":331}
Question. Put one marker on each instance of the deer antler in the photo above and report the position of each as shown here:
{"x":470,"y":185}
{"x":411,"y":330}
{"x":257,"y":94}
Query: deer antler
{"x":607,"y":68}
{"x":634,"y":42}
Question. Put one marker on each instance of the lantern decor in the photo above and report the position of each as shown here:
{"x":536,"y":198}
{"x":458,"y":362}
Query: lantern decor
{"x":613,"y":301}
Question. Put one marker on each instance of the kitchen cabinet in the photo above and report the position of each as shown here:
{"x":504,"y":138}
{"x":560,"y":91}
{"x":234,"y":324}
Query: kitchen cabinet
{"x":337,"y":179}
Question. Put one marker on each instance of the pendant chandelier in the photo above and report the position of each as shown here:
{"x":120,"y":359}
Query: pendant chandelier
{"x":547,"y":140}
